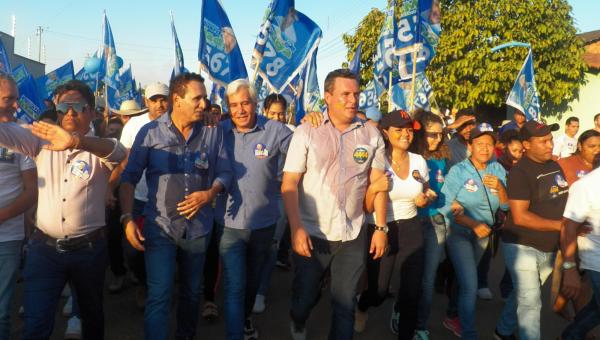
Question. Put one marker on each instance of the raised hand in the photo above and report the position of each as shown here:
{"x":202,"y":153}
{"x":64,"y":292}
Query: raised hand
{"x":59,"y":139}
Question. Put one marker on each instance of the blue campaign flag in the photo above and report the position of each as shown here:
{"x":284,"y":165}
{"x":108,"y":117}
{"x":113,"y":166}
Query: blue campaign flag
{"x":217,"y":96}
{"x":48,"y":83}
{"x":284,"y":44}
{"x":354,"y":65}
{"x":419,"y":30}
{"x":4,"y":63}
{"x":368,"y":97}
{"x":30,"y":104}
{"x":179,"y":64}
{"x":89,"y":79}
{"x":109,"y":57}
{"x":218,"y":51}
{"x":383,"y":65}
{"x":401,"y":94}
{"x":524,"y":95}
{"x":311,"y":94}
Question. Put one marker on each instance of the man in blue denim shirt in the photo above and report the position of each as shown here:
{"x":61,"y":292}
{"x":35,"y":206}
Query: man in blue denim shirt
{"x":186,"y":166}
{"x":247,"y":214}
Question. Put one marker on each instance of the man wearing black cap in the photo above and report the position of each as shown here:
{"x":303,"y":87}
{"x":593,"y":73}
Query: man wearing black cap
{"x":537,"y":192}
{"x":464,"y":123}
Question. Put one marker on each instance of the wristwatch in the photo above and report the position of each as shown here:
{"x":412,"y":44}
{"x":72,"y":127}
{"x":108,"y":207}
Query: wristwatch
{"x":568,"y":265}
{"x":383,"y":228}
{"x":125,"y":216}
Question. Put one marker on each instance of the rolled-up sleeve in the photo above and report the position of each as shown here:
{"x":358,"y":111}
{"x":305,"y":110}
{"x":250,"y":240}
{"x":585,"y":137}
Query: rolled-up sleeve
{"x":116,"y":156}
{"x":138,"y":158}
{"x":19,"y":139}
{"x":223,"y":172}
{"x":379,"y":158}
{"x":295,"y":160}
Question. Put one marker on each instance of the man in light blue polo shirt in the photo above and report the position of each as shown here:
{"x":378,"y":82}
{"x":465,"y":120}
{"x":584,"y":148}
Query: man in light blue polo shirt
{"x":247,"y":213}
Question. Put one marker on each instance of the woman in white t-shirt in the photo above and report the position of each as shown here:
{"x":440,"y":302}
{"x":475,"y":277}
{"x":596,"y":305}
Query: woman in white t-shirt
{"x":409,"y":178}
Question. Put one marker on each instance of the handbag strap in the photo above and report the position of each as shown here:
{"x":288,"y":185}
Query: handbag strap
{"x":485,"y":192}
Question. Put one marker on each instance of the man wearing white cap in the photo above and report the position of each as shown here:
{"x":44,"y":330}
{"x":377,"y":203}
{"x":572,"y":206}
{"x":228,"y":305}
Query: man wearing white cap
{"x":156,"y":100}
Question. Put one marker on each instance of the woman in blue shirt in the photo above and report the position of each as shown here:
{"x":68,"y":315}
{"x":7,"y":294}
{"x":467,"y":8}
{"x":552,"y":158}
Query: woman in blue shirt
{"x":479,"y":186}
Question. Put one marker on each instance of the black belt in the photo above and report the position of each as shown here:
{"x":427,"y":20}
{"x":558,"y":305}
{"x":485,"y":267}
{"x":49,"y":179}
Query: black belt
{"x":68,"y":244}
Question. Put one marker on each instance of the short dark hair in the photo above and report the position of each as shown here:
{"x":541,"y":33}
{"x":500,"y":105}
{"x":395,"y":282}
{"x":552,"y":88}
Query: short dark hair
{"x":339,"y":73}
{"x":78,"y":86}
{"x":274,"y":98}
{"x":178,"y":84}
{"x":509,"y":136}
{"x":587,"y":135}
{"x":49,"y":114}
{"x":596,"y":116}
{"x":571,"y":120}
{"x":216,"y":106}
{"x":465,"y":112}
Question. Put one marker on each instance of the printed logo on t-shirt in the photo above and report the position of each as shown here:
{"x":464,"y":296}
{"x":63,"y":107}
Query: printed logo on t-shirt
{"x":471,"y":185}
{"x":360,"y":155}
{"x":417,"y":176}
{"x":561,"y":181}
{"x":201,"y":161}
{"x":7,"y":156}
{"x":80,"y":169}
{"x":261,"y":151}
{"x":581,"y":173}
{"x":439,"y":176}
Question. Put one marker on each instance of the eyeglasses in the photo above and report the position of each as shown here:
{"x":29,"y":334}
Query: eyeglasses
{"x":434,"y":135}
{"x":77,"y":107}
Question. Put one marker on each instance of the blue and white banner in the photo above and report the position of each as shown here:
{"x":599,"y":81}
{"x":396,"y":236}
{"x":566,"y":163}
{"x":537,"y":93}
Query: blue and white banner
{"x":218,"y":51}
{"x":524,"y":95}
{"x":310,"y":94}
{"x":383,"y":65}
{"x":284,"y":44}
{"x":4,"y":62}
{"x":109,"y":57}
{"x":419,"y":30}
{"x":368,"y":97}
{"x":179,"y":64}
{"x":401,"y":94}
{"x":48,"y":83}
{"x":354,"y":65}
{"x":30,"y":104}
{"x":89,"y":79}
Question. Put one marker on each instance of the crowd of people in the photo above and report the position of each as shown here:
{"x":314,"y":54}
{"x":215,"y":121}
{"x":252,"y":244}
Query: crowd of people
{"x":348,"y":201}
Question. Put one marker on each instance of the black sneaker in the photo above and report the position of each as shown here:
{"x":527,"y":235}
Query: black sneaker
{"x":498,"y":336}
{"x":250,"y":333}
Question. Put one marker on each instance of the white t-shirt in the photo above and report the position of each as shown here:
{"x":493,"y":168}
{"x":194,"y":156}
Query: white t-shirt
{"x":583,"y":205}
{"x":11,"y":186}
{"x":401,"y":205}
{"x":130,"y":130}
{"x":564,"y":146}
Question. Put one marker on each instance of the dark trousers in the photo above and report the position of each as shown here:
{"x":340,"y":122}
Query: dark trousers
{"x":211,"y":268}
{"x":115,"y":240}
{"x":346,"y":262}
{"x":46,"y":273}
{"x":406,"y":243}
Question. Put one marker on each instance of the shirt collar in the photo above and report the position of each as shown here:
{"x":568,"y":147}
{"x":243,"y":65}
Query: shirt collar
{"x":356,"y":122}
{"x":261,"y":122}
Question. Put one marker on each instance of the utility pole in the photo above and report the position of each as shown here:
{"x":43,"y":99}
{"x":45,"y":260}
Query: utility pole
{"x":39,"y":30}
{"x":14,"y":25}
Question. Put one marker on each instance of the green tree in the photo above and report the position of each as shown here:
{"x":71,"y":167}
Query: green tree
{"x":465,"y":73}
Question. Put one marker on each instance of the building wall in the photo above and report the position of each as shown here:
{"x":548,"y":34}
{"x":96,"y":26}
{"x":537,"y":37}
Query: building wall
{"x":35,"y":68}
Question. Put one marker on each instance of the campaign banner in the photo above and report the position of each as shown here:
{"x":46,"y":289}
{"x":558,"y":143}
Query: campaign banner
{"x":383,"y":65}
{"x":524,"y":95}
{"x":218,"y":52}
{"x":89,"y":79}
{"x":354,"y":65}
{"x":179,"y":63}
{"x":286,"y":40}
{"x":48,"y":83}
{"x":109,"y":57}
{"x":30,"y":104}
{"x":4,"y":62}
{"x":368,"y":97}
{"x":401,"y":93}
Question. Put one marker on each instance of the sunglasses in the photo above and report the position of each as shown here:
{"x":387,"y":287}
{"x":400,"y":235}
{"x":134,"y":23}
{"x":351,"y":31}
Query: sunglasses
{"x":77,"y":107}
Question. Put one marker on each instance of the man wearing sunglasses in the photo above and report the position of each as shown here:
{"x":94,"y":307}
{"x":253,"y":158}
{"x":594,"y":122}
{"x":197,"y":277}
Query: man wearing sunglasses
{"x":186,"y":166}
{"x":69,"y":241}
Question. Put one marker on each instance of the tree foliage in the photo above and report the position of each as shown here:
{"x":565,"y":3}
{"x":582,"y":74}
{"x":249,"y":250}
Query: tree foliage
{"x":465,"y":73}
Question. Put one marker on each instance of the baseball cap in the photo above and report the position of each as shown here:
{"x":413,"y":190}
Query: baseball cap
{"x":536,"y":129}
{"x":482,"y":129}
{"x":156,"y":89}
{"x":399,"y":119}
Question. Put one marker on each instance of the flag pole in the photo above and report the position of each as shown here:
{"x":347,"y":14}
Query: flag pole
{"x":414,"y":74}
{"x":390,"y":93}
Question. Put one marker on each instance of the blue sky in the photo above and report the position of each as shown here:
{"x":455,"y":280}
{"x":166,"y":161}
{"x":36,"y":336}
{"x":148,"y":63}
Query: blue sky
{"x":143,"y":36}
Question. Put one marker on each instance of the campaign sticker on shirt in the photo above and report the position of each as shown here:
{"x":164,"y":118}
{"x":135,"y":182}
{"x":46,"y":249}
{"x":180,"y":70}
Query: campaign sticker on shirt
{"x":439,"y":176}
{"x":80,"y":169}
{"x":360,"y":155}
{"x":261,"y":151}
{"x":581,"y":173}
{"x":389,"y":173}
{"x":417,"y":176}
{"x":561,"y":181}
{"x":471,"y":185}
{"x":554,"y":190}
{"x":201,"y":161}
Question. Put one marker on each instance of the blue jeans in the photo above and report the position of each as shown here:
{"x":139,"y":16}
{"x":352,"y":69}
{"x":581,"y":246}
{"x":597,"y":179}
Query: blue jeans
{"x":346,"y":263}
{"x":435,"y":251}
{"x":589,"y":316}
{"x":46,"y":273}
{"x":529,"y":268}
{"x":161,"y":258}
{"x":243,"y":255}
{"x":465,"y":250}
{"x":10,"y":257}
{"x":267,"y":271}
